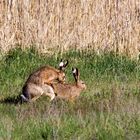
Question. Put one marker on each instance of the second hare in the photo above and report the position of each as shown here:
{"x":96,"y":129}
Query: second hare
{"x":70,"y":91}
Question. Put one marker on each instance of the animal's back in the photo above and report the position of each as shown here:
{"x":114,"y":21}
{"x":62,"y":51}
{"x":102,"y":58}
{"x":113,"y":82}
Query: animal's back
{"x":66,"y":90}
{"x":43,"y":74}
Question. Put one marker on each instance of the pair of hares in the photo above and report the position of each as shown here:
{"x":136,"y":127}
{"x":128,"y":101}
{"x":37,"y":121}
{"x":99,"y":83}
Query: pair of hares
{"x":49,"y":81}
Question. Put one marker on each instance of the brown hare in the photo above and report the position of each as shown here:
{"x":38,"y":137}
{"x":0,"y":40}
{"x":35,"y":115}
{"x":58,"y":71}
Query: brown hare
{"x":38,"y":82}
{"x":48,"y":74}
{"x":70,"y":91}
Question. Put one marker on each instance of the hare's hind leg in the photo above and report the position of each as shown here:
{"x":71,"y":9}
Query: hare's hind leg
{"x":48,"y":91}
{"x":35,"y":98}
{"x":35,"y":92}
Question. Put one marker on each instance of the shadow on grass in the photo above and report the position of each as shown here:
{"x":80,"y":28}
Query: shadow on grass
{"x":11,"y":100}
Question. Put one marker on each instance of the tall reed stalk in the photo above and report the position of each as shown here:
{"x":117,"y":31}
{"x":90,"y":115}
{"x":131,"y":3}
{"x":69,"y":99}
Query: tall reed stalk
{"x":101,"y":25}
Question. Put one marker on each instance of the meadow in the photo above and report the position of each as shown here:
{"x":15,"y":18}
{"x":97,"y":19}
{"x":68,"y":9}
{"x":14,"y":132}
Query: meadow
{"x":108,"y":109}
{"x":101,"y":38}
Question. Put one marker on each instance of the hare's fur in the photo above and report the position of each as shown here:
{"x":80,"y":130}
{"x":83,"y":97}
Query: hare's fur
{"x":46,"y":75}
{"x":70,"y":91}
{"x":31,"y":91}
{"x":38,"y":82}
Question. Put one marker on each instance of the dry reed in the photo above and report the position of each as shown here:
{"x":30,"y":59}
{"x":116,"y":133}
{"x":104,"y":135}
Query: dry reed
{"x":101,"y":25}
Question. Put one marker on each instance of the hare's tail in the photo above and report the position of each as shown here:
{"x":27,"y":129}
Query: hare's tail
{"x":24,"y":98}
{"x":25,"y":95}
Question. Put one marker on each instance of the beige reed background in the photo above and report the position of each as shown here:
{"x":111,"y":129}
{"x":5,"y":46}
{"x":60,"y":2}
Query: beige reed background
{"x":102,"y":25}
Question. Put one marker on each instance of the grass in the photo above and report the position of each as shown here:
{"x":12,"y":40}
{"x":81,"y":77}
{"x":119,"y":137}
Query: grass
{"x":108,"y":109}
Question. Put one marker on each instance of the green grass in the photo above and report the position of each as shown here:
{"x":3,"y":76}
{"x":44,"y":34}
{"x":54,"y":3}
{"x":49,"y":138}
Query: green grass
{"x":108,"y":110}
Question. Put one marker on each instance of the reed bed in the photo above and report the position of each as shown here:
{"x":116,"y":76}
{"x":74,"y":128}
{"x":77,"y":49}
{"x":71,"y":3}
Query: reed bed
{"x":100,"y":25}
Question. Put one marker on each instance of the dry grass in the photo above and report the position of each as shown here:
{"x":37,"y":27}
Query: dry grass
{"x":103,"y":25}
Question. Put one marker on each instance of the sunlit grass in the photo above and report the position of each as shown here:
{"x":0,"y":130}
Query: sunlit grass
{"x":108,"y":109}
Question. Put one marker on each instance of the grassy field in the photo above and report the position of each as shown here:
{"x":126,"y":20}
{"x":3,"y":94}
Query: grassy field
{"x":108,"y":110}
{"x":101,"y":25}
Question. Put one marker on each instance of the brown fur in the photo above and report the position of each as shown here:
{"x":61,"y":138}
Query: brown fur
{"x":46,"y":75}
{"x":38,"y":82}
{"x":69,"y":91}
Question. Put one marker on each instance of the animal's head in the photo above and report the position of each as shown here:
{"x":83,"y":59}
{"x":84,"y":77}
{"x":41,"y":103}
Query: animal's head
{"x":81,"y":84}
{"x":61,"y":76}
{"x":62,"y":66}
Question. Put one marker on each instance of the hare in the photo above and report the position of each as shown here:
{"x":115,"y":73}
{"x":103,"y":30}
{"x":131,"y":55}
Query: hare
{"x":38,"y":82}
{"x":48,"y":74}
{"x":70,"y":91}
{"x":31,"y":92}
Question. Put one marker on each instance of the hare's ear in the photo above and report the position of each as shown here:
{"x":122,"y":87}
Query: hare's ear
{"x":66,"y":63}
{"x":74,"y":71}
{"x":62,"y":65}
{"x":77,"y":74}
